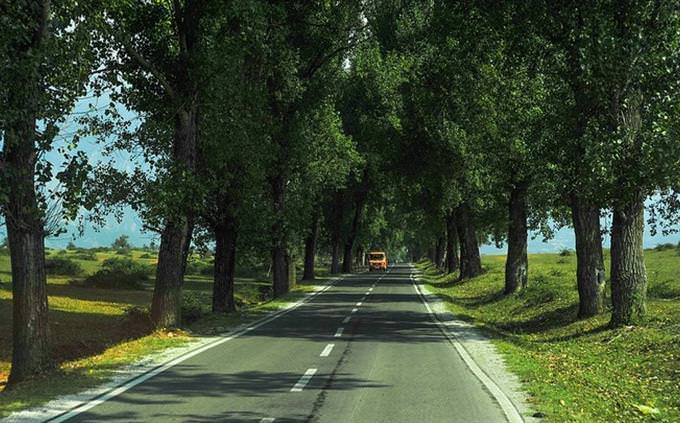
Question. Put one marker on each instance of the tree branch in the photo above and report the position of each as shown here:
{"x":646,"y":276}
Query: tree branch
{"x":147,"y":66}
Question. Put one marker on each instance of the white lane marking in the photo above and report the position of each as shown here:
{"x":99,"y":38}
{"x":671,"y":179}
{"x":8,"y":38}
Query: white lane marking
{"x":114,"y":392}
{"x":304,"y":380}
{"x":505,"y":403}
{"x":338,"y":333}
{"x":370,"y":289}
{"x":354,"y":310}
{"x":359,"y":304}
{"x":327,"y":351}
{"x":346,"y":319}
{"x":267,"y":420}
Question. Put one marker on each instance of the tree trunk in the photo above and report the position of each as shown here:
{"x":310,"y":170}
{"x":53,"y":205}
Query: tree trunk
{"x":452,"y":261}
{"x":590,"y":276}
{"x":439,"y":252}
{"x":470,"y":261}
{"x":280,"y":282}
{"x":310,"y":248}
{"x":335,"y":257}
{"x":516,"y":264}
{"x":23,"y":214}
{"x":359,"y":200}
{"x":166,"y":304}
{"x":347,"y":256}
{"x":628,"y":274}
{"x":225,"y":265}
{"x":25,"y":231}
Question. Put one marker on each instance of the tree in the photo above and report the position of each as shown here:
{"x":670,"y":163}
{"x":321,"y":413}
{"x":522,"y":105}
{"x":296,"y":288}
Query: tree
{"x":45,"y":59}
{"x":304,"y":39}
{"x":150,"y":64}
{"x":121,"y":243}
{"x":623,"y":96}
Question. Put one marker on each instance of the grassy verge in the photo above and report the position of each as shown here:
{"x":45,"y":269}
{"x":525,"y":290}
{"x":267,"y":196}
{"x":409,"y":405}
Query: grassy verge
{"x":578,"y":370}
{"x":95,"y":331}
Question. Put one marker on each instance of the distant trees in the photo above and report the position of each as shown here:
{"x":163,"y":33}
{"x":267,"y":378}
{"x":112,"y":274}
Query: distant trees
{"x":121,"y":243}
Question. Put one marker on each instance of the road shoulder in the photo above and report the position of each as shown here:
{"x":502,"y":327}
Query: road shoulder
{"x":481,"y":350}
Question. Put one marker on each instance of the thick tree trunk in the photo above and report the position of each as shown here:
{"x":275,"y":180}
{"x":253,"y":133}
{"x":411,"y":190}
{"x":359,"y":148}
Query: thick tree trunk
{"x":516,"y":264}
{"x":470,"y":261}
{"x":335,"y":257}
{"x":225,"y":265}
{"x":280,"y":282}
{"x":360,"y":198}
{"x":590,"y":275}
{"x":336,"y":231}
{"x":166,"y":304}
{"x":310,"y":248}
{"x":628,"y":274}
{"x":23,"y":215}
{"x":439,"y":252}
{"x":25,"y":230}
{"x":347,"y":256}
{"x":452,"y":261}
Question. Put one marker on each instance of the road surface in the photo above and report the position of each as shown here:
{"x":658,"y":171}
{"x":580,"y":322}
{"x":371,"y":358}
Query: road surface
{"x":365,"y":350}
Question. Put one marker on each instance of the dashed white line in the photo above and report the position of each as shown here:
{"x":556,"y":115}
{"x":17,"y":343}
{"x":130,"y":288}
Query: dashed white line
{"x":370,"y":289}
{"x":304,"y":380}
{"x":327,"y":351}
{"x":359,"y":304}
{"x":338,"y":333}
{"x":354,"y":310}
{"x":346,"y":319}
{"x":267,"y":420}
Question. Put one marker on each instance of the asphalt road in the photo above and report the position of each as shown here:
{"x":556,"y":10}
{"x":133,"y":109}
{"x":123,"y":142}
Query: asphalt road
{"x":365,"y":350}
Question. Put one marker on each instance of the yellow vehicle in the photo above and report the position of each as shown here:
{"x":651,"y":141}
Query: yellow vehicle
{"x":377,"y":260}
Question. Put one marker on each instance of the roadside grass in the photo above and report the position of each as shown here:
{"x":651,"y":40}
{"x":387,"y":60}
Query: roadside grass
{"x":578,"y":370}
{"x":94,"y":331}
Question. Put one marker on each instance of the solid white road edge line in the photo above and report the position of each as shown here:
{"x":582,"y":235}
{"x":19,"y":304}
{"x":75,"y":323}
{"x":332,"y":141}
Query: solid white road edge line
{"x":509,"y":409}
{"x":304,"y":380}
{"x":327,"y":351}
{"x":163,"y":367}
{"x":338,"y":333}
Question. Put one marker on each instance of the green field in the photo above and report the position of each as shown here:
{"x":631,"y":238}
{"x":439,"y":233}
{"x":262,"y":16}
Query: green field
{"x":578,"y":370}
{"x":94,"y":330}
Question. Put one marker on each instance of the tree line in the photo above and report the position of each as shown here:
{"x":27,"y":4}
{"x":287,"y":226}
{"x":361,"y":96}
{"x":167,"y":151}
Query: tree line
{"x":270,"y":130}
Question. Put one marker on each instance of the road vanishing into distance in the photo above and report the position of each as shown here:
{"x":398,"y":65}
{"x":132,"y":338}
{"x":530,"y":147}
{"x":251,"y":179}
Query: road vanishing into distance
{"x":364,"y":350}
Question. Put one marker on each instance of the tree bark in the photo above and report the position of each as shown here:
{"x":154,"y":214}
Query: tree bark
{"x":628,"y":273}
{"x":310,"y":248}
{"x":336,"y":231}
{"x":23,"y":215}
{"x":590,"y":275}
{"x":470,"y":261}
{"x":166,"y":304}
{"x":25,"y":232}
{"x":516,"y":264}
{"x":225,"y":265}
{"x":452,"y":262}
